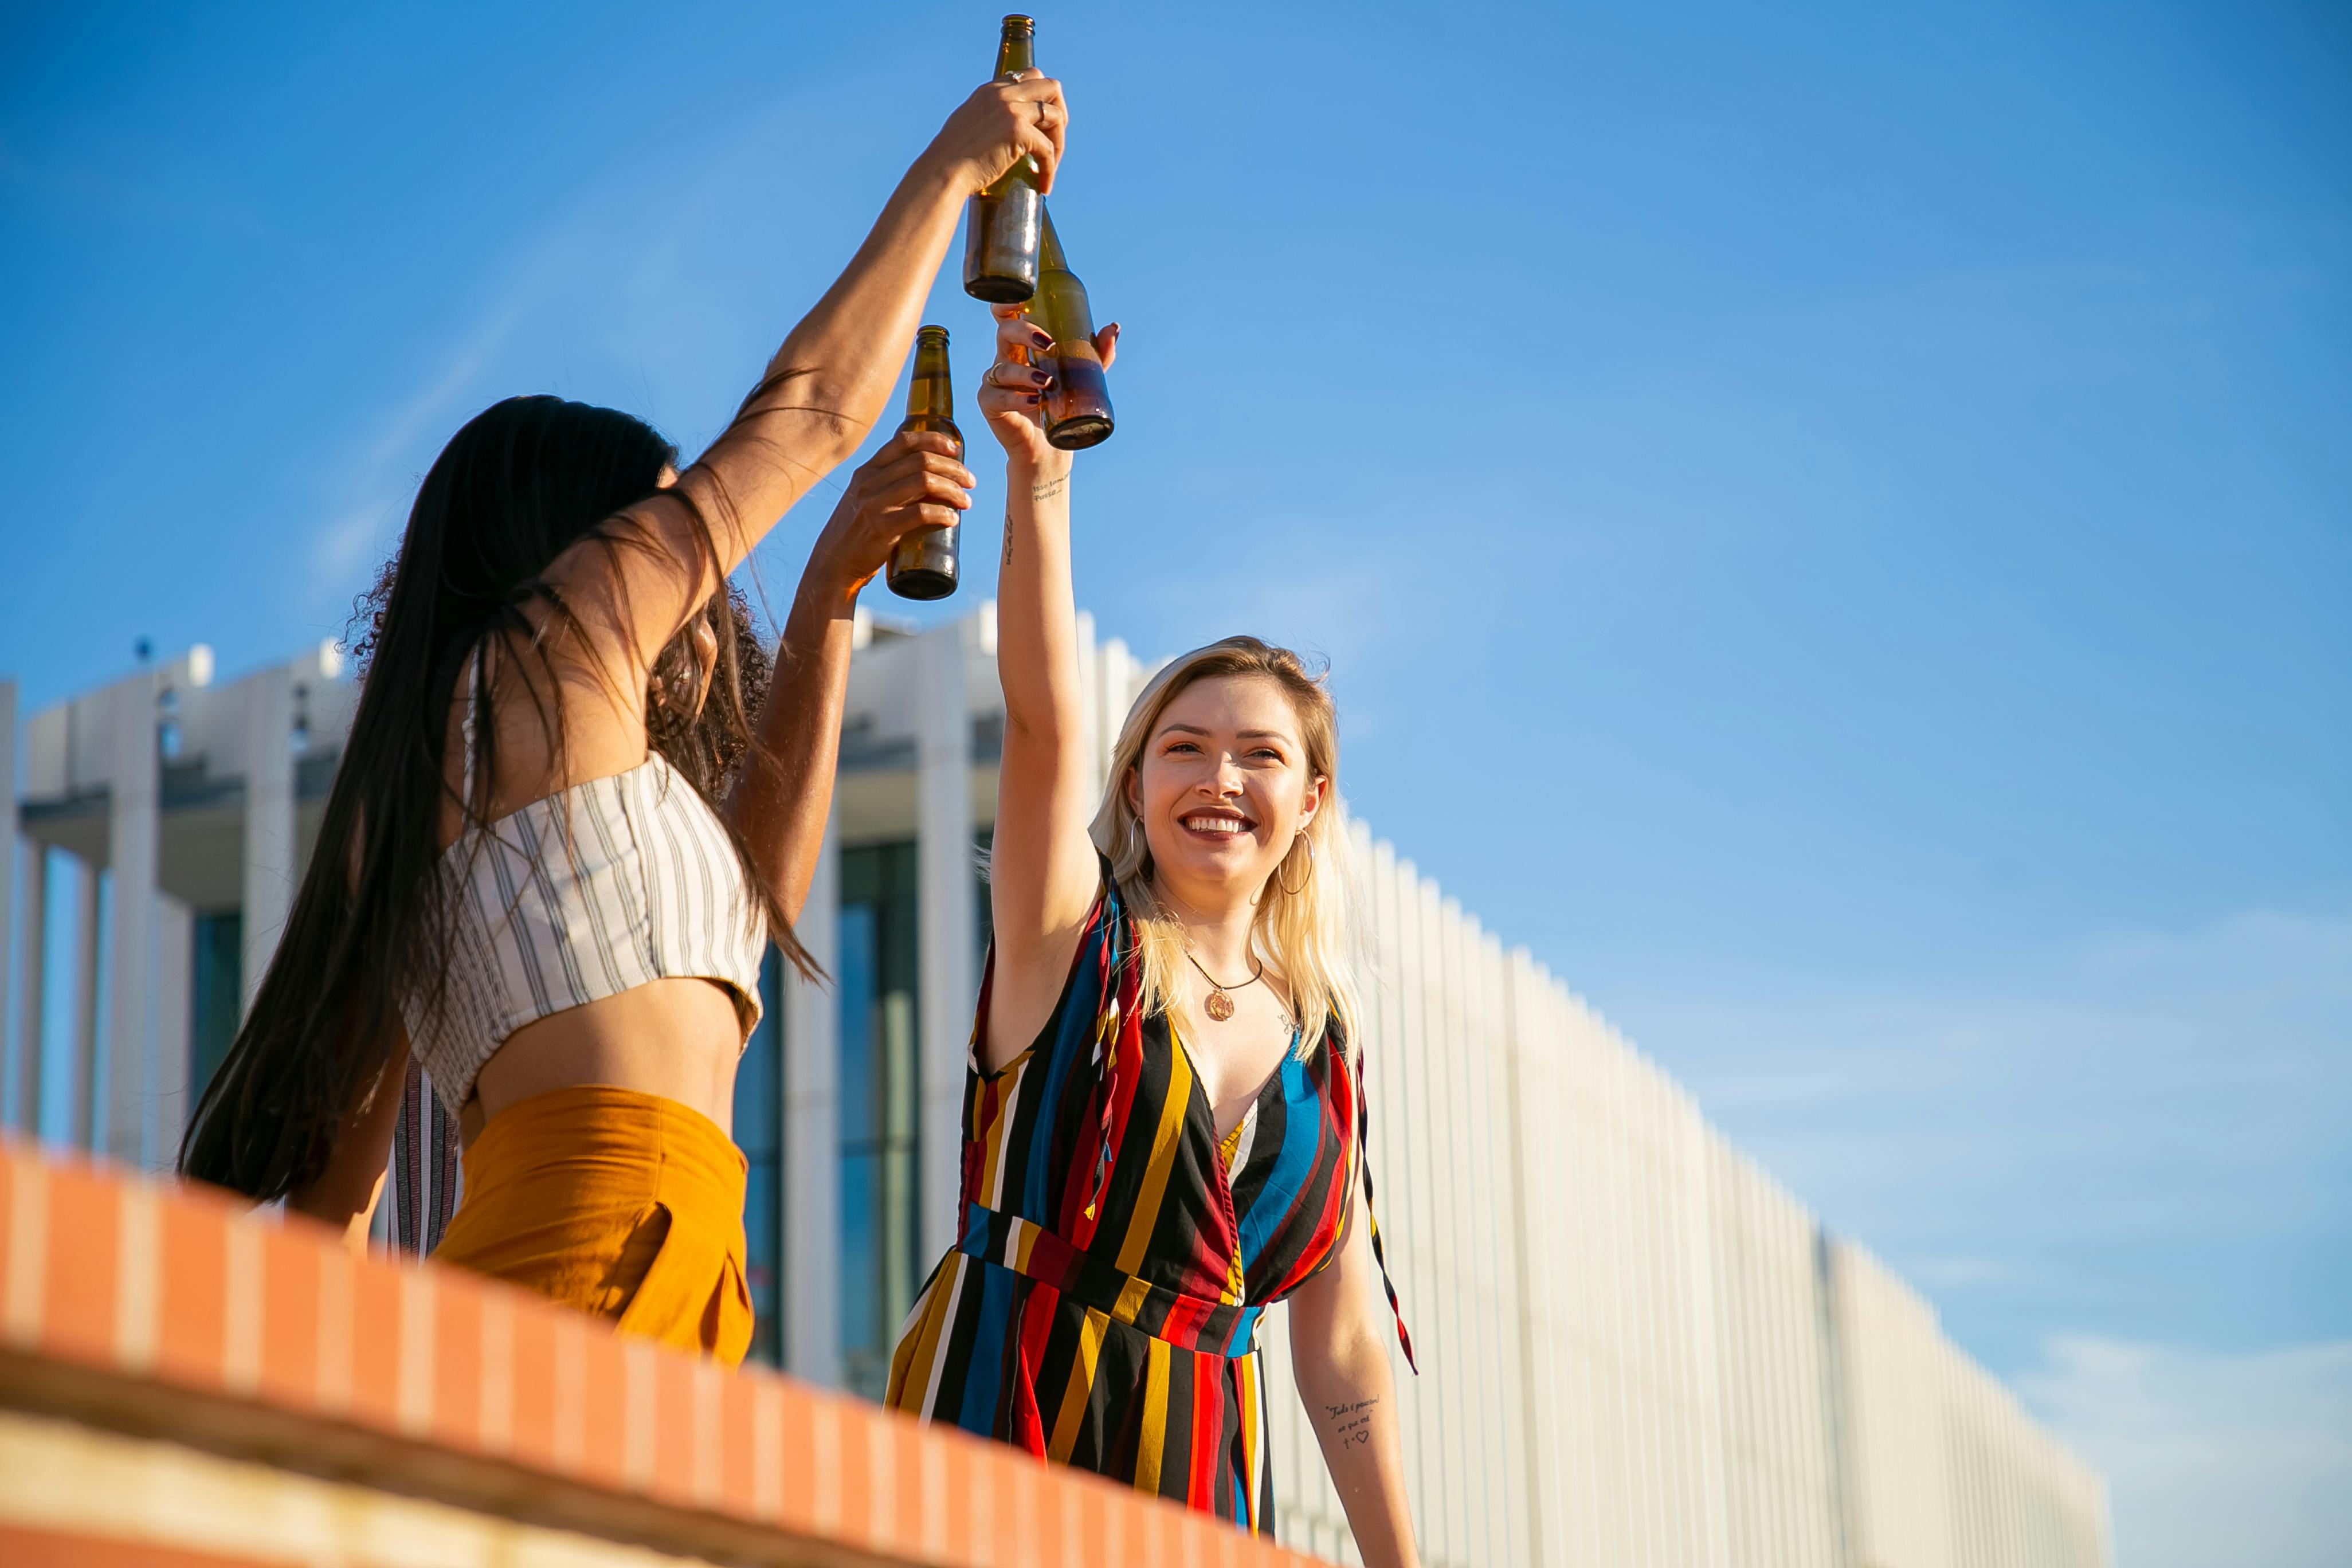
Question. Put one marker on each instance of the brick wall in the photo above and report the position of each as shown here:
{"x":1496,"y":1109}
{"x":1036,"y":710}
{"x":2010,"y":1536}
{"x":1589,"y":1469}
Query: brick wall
{"x":185,"y":1382}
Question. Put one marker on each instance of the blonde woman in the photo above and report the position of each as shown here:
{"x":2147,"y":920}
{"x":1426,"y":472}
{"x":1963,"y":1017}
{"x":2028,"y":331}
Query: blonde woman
{"x":1164,"y":1119}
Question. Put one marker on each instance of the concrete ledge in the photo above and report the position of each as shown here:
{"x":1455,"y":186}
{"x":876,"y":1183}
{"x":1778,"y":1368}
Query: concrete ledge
{"x":149,"y":1312}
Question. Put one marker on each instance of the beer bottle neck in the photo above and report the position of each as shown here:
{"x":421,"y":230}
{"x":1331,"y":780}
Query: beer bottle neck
{"x":932,"y":393}
{"x":1017,"y":51}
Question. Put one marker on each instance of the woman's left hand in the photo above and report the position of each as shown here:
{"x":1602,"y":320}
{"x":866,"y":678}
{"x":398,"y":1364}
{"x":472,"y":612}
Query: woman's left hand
{"x":1012,"y":391}
{"x":915,"y":480}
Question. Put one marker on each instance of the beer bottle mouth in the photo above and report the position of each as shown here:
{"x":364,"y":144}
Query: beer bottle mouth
{"x":931,"y":335}
{"x":1020,"y":23}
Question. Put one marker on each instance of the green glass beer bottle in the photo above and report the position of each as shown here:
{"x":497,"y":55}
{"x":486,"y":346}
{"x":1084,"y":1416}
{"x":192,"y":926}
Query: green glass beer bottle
{"x":1078,"y":406}
{"x":1000,"y":235}
{"x":923,"y":562}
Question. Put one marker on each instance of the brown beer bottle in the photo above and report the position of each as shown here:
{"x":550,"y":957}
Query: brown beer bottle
{"x":1078,"y":406}
{"x":923,"y":562}
{"x":1000,"y":235}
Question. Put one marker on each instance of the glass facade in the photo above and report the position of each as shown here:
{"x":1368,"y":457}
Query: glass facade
{"x":760,"y":1133}
{"x":880,"y":1088}
{"x":216,"y":995}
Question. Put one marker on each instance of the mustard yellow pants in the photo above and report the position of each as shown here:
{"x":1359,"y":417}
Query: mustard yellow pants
{"x":623,"y":1204}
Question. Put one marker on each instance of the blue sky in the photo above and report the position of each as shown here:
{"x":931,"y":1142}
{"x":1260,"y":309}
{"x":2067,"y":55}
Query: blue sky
{"x":1831,"y":523}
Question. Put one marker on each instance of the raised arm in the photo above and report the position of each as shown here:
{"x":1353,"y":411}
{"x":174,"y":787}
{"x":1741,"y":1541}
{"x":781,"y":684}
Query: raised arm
{"x":915,"y":480}
{"x":1042,"y":873}
{"x":822,"y":392}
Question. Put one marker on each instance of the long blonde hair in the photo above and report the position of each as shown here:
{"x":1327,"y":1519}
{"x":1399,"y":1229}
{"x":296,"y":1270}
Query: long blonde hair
{"x":1309,"y":936}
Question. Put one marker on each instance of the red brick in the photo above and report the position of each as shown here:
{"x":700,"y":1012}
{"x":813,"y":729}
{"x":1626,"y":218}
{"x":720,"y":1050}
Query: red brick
{"x":192,"y":1335}
{"x":797,"y":1510}
{"x":901,"y":1485}
{"x":457,"y":1359}
{"x":535,"y":1351}
{"x":738,"y":1489}
{"x":604,"y":1449}
{"x":857,"y":1476}
{"x":675,"y":1450}
{"x":957,"y":1504}
{"x":289,"y":1320}
{"x":375,"y":1343}
{"x":84,"y":1229}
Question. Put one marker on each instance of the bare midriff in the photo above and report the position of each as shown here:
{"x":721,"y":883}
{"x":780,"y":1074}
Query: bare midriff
{"x":678,"y":1039}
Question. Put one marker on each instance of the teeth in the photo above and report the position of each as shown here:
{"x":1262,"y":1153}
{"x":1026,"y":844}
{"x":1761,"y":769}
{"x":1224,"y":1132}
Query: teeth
{"x":1205,"y":824}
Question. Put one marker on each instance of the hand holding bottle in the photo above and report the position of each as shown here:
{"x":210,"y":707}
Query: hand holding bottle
{"x":915,"y":481}
{"x":1001,"y":122}
{"x":1014,"y":391}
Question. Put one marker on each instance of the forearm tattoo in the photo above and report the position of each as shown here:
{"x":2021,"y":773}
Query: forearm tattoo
{"x":1049,"y":489}
{"x":1351,"y":1424}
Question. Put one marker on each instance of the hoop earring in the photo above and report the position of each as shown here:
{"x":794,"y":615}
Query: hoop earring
{"x":1136,"y":843}
{"x":1286,"y":887}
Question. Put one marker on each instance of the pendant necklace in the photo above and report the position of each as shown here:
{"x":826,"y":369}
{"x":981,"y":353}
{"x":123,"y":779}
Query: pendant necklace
{"x":1219,"y":1006}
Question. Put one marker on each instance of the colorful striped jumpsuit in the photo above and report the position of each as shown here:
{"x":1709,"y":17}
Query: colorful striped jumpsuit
{"x":1100,"y":1307}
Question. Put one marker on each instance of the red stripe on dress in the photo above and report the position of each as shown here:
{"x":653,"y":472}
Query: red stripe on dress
{"x":1208,"y":1433}
{"x":1030,"y":1430}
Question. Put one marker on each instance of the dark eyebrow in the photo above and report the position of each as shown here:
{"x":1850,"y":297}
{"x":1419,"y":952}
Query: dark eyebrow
{"x":1187,"y":729}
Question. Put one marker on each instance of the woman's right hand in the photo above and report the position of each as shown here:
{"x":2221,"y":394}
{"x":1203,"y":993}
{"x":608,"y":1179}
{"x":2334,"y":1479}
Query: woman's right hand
{"x":1003,"y":122}
{"x":1012,"y":391}
{"x":915,"y":480}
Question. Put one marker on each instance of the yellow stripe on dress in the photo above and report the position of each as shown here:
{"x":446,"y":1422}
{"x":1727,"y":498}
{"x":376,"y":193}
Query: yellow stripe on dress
{"x":911,"y":1367}
{"x":1152,"y":1440}
{"x":1236,"y":1278}
{"x":1165,"y":1139}
{"x":1246,"y":1369}
{"x":1001,"y":1105}
{"x":1082,"y":1382}
{"x":1024,"y":1242}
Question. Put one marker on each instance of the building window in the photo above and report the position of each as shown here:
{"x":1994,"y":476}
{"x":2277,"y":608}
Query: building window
{"x":878,"y":1085}
{"x":759,"y":1133}
{"x":216,"y":995}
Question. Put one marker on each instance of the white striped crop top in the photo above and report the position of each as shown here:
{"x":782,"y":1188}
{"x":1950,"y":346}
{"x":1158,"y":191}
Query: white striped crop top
{"x":606,"y":886}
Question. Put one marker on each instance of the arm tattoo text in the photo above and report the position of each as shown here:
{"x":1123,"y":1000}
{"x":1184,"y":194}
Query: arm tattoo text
{"x":1351,"y":1424}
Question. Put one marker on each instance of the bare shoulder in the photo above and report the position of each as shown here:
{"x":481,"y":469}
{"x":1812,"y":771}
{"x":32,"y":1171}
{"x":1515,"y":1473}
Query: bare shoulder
{"x":543,"y":720}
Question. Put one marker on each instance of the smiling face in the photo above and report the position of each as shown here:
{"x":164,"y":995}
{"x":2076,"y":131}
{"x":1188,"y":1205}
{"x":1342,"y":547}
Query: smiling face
{"x":1223,"y":787}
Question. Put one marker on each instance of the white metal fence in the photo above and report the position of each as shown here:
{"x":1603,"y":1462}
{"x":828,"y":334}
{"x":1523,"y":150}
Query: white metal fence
{"x":1637,"y":1350}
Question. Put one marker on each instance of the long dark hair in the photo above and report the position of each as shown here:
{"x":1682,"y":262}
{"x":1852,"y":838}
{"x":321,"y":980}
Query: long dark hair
{"x":523,"y":482}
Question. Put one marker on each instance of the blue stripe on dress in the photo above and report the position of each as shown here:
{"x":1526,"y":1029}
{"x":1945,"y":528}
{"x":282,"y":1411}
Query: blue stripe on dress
{"x":991,"y":1341}
{"x":1302,"y":1139}
{"x":1076,"y":1030}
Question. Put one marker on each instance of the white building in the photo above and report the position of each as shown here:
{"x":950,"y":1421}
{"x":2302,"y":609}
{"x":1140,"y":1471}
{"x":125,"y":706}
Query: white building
{"x":1636,"y":1348}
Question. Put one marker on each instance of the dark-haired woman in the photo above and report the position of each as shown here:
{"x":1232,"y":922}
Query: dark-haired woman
{"x":535,"y":871}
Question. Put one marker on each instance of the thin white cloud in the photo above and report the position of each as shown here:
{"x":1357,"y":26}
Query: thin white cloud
{"x":369,"y":488}
{"x":613,"y":274}
{"x":2212,"y":1461}
{"x":2141,"y":1087}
